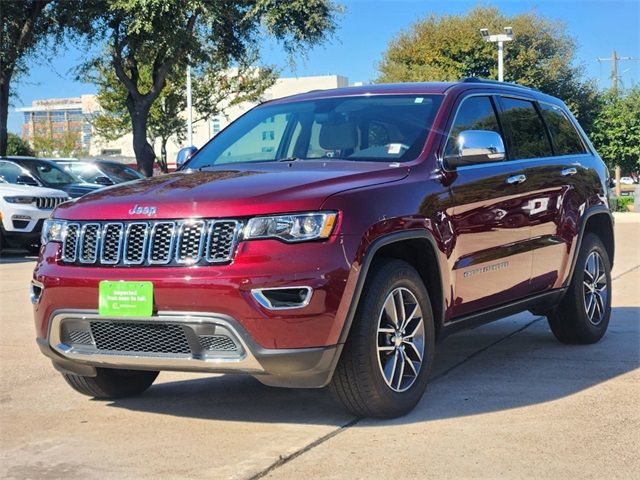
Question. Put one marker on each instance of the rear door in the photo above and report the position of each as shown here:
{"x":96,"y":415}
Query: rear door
{"x":492,"y":258}
{"x":563,"y":185}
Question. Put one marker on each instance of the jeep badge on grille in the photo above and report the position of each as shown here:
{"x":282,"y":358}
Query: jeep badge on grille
{"x":140,"y":210}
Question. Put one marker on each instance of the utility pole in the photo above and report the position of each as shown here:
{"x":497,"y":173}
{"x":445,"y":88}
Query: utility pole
{"x":614,"y":68}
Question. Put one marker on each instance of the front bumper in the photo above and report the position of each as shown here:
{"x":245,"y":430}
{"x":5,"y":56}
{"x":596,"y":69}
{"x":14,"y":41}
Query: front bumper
{"x":76,"y":344}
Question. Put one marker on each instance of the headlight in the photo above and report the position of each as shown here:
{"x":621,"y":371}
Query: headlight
{"x":18,"y":199}
{"x":291,"y":228}
{"x":53,"y":231}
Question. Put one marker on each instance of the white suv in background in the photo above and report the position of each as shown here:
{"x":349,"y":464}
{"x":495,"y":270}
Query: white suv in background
{"x":23,"y":210}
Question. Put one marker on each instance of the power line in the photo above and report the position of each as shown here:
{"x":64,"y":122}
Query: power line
{"x":614,"y":59}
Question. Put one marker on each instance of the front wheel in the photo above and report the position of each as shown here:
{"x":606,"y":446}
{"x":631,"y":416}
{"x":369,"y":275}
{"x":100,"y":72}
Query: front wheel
{"x":583,"y":315}
{"x":110,"y":383}
{"x":388,"y":355}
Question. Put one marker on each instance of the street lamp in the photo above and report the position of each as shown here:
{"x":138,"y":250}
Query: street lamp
{"x":507,"y":36}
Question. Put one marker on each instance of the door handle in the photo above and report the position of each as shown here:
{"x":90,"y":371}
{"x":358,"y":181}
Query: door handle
{"x":516,"y":179}
{"x":567,"y":172}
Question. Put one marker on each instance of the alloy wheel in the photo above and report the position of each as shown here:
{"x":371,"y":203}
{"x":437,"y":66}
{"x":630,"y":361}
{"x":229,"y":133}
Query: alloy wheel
{"x":595,"y":288}
{"x":400,"y":339}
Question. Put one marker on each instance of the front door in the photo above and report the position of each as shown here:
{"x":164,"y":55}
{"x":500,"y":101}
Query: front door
{"x":492,"y":208}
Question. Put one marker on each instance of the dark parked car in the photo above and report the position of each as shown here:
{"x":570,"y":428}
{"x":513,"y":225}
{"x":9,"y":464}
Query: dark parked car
{"x":43,"y":173}
{"x":100,"y":172}
{"x":332,"y":238}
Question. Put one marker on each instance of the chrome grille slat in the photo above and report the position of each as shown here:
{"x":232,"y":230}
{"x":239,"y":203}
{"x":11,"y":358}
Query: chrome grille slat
{"x":70,"y":244}
{"x":112,"y":236}
{"x":152,"y":242}
{"x":162,"y":241}
{"x":222,"y":237}
{"x":48,"y":203}
{"x":190,"y":242}
{"x":89,"y":242}
{"x":135,"y":243}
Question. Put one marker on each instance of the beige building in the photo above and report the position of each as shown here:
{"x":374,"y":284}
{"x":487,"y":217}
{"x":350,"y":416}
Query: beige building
{"x":74,"y":115}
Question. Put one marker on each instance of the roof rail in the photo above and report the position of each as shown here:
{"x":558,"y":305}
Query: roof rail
{"x":495,"y":82}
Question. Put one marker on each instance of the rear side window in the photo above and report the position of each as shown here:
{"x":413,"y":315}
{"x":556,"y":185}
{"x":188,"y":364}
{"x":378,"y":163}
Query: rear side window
{"x":566,"y":139}
{"x":475,"y":113}
{"x":528,"y":136}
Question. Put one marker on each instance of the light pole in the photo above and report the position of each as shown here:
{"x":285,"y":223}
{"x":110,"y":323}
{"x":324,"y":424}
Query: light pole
{"x":189,"y":109}
{"x":507,"y":36}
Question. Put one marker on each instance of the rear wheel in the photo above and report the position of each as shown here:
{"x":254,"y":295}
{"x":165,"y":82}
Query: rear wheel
{"x":583,"y":315}
{"x":112,"y":383}
{"x":388,"y":355}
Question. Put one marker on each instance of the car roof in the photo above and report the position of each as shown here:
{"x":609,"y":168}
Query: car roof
{"x":414,"y":88}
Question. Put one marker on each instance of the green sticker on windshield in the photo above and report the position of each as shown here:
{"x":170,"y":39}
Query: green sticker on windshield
{"x":125,"y":299}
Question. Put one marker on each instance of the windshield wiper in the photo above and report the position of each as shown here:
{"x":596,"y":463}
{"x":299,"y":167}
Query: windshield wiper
{"x":290,"y":159}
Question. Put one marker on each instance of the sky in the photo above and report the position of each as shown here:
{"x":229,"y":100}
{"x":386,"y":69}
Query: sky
{"x":366,"y":27}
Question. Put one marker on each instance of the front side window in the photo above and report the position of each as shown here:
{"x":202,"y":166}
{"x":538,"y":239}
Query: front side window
{"x":362,"y":128}
{"x":51,"y":174}
{"x":10,"y":172}
{"x":566,"y":139}
{"x":475,"y":113}
{"x":528,"y":136}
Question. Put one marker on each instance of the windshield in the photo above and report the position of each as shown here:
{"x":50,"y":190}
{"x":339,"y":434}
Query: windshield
{"x":50,"y":174}
{"x":363,"y":128}
{"x":121,"y":173}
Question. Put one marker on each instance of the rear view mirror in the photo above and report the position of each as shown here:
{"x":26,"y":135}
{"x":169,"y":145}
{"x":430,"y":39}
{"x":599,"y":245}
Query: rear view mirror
{"x":26,"y":180}
{"x":185,"y":154}
{"x":103,"y":181}
{"x":475,"y":146}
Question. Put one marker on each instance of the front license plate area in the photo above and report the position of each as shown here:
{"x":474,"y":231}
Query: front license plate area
{"x":125,"y":299}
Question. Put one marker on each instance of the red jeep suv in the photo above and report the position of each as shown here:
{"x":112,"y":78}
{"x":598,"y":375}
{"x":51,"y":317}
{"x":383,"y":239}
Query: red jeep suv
{"x":332,"y":238}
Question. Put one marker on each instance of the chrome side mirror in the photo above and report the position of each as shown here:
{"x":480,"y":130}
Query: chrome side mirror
{"x":185,"y":154}
{"x":475,"y":146}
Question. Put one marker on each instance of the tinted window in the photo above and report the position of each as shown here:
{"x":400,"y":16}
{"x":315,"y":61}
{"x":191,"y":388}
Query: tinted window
{"x":50,"y":174}
{"x":528,"y":136}
{"x":362,"y":128}
{"x":566,"y":140}
{"x":475,"y":113}
{"x":10,"y":172}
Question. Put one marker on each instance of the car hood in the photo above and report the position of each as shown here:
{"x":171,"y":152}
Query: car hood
{"x":238,"y":191}
{"x":27,"y":190}
{"x":76,"y":190}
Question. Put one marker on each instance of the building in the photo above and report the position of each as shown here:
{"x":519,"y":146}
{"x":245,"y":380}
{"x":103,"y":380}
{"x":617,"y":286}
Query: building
{"x":65,"y":120}
{"x":72,"y":116}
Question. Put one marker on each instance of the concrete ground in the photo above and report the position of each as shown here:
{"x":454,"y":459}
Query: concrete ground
{"x":506,"y":400}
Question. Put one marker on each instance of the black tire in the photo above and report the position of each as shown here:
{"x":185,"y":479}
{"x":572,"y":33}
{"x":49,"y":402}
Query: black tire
{"x":571,"y":321}
{"x":112,"y":383}
{"x":359,"y":382}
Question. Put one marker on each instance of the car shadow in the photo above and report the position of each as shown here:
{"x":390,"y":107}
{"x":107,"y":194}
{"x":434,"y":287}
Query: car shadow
{"x":15,"y":255}
{"x":487,"y":369}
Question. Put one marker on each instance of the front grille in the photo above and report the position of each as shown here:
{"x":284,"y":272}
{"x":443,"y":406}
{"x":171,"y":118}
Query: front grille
{"x":161,"y":242}
{"x":139,"y":337}
{"x":48,"y":203}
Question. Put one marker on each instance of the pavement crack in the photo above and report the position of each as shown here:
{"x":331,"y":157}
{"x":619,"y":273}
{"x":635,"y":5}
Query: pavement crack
{"x":286,"y":459}
{"x":484,"y":349}
{"x":625,"y":272}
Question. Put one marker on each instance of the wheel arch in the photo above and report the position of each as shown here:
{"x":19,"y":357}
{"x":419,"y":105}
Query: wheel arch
{"x":419,"y":249}
{"x":598,"y":220}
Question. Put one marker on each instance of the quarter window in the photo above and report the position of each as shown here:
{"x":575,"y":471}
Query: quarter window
{"x":475,"y":113}
{"x":528,"y":136}
{"x":565,"y":137}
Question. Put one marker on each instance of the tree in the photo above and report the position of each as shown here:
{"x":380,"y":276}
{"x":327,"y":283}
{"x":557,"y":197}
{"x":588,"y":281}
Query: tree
{"x":449,"y":47}
{"x":166,"y":35}
{"x":616,"y":131}
{"x":214,"y":90}
{"x":24,"y":24}
{"x":17,"y":146}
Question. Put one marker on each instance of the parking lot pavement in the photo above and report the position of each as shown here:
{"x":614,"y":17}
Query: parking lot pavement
{"x":506,"y":400}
